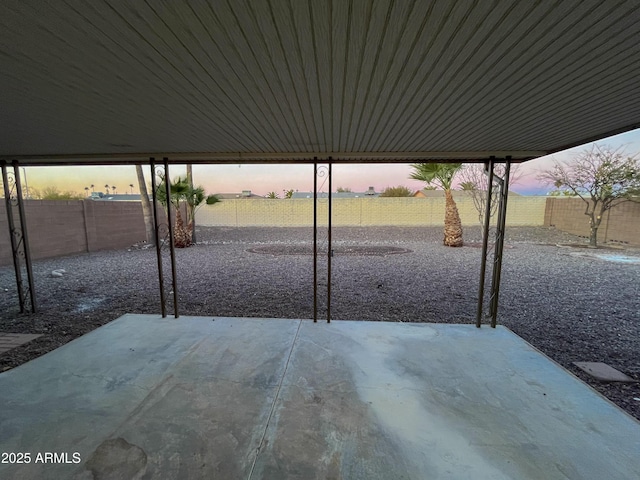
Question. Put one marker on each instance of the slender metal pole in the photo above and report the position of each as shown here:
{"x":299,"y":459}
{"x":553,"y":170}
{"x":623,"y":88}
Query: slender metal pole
{"x":329,"y":249}
{"x":500,"y":244}
{"x":496,"y":249}
{"x":14,"y":244}
{"x":156,"y":227}
{"x":485,"y":239}
{"x":315,"y":239}
{"x":172,"y":248}
{"x":25,"y":237}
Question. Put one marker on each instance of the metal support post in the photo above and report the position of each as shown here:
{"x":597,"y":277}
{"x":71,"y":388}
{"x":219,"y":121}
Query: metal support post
{"x":25,"y":237}
{"x":18,"y":237}
{"x":12,"y":237}
{"x":315,"y":239}
{"x":321,"y":171}
{"x":329,"y":250}
{"x":172,"y":249}
{"x":485,"y":238}
{"x":156,"y":231}
{"x":499,"y":247}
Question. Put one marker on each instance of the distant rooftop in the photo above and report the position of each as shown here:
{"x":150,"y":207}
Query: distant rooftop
{"x":243,"y":194}
{"x":370,"y":193}
{"x":440,"y":193}
{"x":127,"y":197}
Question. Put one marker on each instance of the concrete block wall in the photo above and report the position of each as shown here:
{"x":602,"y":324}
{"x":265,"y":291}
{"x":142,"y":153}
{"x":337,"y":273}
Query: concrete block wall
{"x":54,"y":227}
{"x":67,"y":227}
{"x":623,"y":223}
{"x":525,"y":211}
{"x":58,"y":227}
{"x":620,"y":224}
{"x":359,"y":212}
{"x":113,"y":224}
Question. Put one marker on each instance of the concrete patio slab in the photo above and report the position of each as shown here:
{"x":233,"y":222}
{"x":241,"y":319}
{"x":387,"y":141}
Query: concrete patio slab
{"x":146,"y":397}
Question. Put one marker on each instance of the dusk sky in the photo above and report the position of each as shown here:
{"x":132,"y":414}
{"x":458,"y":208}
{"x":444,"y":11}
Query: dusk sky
{"x":261,"y":179}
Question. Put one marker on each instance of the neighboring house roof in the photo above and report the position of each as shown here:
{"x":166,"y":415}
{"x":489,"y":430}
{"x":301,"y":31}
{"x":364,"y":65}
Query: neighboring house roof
{"x":371,"y":193}
{"x":440,"y":193}
{"x":429,"y":193}
{"x":128,"y":197}
{"x":436,"y":193}
{"x":335,"y":195}
{"x":243,"y":194}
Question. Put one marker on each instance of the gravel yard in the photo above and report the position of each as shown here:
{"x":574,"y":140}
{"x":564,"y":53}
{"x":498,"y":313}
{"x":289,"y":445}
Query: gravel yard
{"x":567,"y":302}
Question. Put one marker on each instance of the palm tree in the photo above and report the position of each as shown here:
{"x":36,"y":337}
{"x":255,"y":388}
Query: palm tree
{"x":86,"y":189}
{"x":272,"y":195}
{"x":193,"y":196}
{"x":106,"y":187}
{"x":441,"y":175}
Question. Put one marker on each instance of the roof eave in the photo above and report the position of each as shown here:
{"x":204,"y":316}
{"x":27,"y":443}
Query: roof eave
{"x":268,"y":157}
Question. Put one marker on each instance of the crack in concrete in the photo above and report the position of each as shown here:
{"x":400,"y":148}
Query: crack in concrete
{"x":275,"y":401}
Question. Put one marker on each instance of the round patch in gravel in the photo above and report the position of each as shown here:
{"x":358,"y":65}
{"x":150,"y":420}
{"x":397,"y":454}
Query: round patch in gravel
{"x":351,"y":250}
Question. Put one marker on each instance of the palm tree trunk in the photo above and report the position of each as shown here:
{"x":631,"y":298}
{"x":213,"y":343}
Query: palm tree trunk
{"x":191,"y":218}
{"x":181,"y":237}
{"x":146,"y":205}
{"x":452,"y":223}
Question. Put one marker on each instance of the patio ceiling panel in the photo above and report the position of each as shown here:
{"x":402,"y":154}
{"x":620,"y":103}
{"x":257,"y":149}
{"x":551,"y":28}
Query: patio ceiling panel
{"x":510,"y":82}
{"x":475,"y":94}
{"x":286,"y":80}
{"x":551,"y":92}
{"x":432,"y":95}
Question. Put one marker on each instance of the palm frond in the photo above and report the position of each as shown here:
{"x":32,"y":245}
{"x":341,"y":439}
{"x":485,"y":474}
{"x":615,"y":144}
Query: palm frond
{"x":440,"y":174}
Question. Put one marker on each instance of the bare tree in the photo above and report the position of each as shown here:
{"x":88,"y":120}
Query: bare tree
{"x":146,"y":205}
{"x":474,"y":184}
{"x":601,"y":176}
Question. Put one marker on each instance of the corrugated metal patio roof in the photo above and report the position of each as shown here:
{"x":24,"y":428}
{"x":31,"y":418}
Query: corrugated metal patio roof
{"x":273,"y":81}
